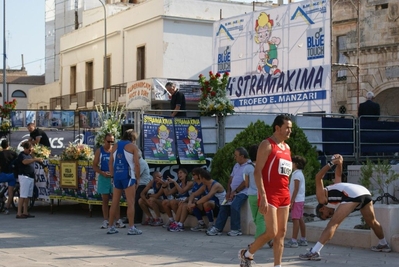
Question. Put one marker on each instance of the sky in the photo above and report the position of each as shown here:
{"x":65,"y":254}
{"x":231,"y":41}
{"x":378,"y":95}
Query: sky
{"x":24,"y":34}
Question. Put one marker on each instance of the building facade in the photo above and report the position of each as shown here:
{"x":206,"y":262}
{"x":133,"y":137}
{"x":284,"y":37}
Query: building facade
{"x":366,"y":40}
{"x":154,"y":38}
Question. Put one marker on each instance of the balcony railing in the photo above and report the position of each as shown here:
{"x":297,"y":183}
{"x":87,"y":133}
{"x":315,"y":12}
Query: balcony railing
{"x":87,"y":99}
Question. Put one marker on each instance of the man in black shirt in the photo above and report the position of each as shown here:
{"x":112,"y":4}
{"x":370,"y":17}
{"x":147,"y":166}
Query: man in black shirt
{"x":7,"y":156}
{"x":38,"y":136}
{"x":26,"y":177}
{"x":178,"y":101}
{"x":369,"y":108}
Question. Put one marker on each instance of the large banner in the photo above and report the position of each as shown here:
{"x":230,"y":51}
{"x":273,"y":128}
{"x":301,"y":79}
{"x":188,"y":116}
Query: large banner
{"x":279,"y":59}
{"x":159,"y":140}
{"x":58,"y":139}
{"x":190,"y":146}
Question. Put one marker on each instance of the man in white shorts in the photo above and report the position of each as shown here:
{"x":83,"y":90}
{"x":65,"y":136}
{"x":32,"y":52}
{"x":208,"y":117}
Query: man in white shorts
{"x":337,"y":201}
{"x":26,"y":178}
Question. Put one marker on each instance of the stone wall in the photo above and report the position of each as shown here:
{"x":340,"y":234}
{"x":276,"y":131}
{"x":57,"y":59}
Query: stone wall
{"x":378,"y":57}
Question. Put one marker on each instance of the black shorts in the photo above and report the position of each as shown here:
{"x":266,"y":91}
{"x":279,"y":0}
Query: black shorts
{"x":363,"y":201}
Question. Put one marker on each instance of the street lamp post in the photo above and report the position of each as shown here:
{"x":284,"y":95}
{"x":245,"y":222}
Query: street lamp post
{"x":4,"y":54}
{"x":105,"y":54}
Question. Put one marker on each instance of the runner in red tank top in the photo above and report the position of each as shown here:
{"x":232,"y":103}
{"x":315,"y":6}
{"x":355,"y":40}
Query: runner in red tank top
{"x":272,"y":169}
{"x":276,"y":173}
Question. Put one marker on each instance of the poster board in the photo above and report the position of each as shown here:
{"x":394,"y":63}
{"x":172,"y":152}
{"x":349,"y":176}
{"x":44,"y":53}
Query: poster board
{"x":69,"y":174}
{"x":279,"y":59}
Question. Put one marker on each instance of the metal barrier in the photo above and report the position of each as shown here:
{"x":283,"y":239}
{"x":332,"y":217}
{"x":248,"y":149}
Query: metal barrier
{"x":378,"y":138}
{"x":355,"y":138}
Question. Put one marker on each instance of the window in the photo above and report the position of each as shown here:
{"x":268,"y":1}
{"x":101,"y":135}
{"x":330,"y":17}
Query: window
{"x":72,"y":84}
{"x":18,"y":93}
{"x":341,"y":45}
{"x":89,"y":81}
{"x":140,"y":67}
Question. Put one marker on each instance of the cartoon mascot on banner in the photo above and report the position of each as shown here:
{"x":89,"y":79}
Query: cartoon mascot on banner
{"x":268,"y":61}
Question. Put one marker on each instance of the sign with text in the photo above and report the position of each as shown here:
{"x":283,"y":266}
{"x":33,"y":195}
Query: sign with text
{"x":190,"y":146}
{"x":69,"y":174}
{"x":138,"y":94}
{"x":279,"y":59}
{"x":159,"y":140}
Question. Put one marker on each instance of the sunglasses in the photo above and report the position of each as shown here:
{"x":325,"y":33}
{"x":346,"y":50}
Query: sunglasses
{"x":110,"y":142}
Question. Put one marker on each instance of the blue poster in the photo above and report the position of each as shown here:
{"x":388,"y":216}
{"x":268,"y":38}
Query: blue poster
{"x":30,"y":117}
{"x":159,"y":140}
{"x":43,"y":119}
{"x":17,"y":118}
{"x":68,"y":118}
{"x":189,"y":140}
{"x":56,"y":119}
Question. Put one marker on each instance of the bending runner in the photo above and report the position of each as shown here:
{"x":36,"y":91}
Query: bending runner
{"x":337,"y":201}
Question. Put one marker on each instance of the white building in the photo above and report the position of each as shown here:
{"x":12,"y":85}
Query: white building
{"x":153,"y":38}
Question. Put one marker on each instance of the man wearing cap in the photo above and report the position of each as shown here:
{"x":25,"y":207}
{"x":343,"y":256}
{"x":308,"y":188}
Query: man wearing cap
{"x":369,"y":108}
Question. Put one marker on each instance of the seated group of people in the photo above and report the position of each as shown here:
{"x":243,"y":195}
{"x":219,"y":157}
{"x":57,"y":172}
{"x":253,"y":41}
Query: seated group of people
{"x":200,"y":197}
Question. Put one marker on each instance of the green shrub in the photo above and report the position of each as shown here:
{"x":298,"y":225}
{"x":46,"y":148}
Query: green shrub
{"x":223,"y":161}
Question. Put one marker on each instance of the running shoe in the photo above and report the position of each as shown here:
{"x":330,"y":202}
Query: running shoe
{"x":213,"y":231}
{"x":234,"y":233}
{"x":157,"y":222}
{"x":112,"y":230}
{"x":172,"y":225}
{"x":177,"y":228}
{"x":120,"y":224}
{"x":245,"y":262}
{"x":148,"y":221}
{"x":134,"y":231}
{"x":199,"y":227}
{"x":291,"y":244}
{"x":104,"y":225}
{"x":311,"y":256}
{"x":167,"y":224}
{"x":381,"y":248}
{"x":302,"y":242}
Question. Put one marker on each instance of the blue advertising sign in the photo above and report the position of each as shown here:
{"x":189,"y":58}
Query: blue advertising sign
{"x":159,"y":140}
{"x":189,"y":140}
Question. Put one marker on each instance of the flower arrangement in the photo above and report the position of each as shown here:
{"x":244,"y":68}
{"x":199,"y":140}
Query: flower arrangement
{"x":77,"y":152}
{"x":110,"y":119}
{"x":41,"y":151}
{"x":213,"y":97}
{"x":5,"y":115}
{"x":5,"y":125}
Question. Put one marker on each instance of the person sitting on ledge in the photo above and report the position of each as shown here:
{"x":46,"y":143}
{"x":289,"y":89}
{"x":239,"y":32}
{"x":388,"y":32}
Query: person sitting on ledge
{"x":337,"y":201}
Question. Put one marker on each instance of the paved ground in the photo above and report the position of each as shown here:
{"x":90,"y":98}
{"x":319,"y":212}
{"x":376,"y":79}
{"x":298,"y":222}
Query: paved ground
{"x":69,"y":237}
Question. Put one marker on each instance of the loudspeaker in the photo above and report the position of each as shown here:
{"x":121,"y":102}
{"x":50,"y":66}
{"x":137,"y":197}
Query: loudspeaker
{"x":126,"y":127}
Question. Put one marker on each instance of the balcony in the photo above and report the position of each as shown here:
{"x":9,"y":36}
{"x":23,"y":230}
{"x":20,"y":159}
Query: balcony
{"x":87,"y":99}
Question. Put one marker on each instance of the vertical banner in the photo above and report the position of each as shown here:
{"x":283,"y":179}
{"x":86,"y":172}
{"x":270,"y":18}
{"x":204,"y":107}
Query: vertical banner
{"x":43,"y":119}
{"x":68,"y":118}
{"x":159,"y":140}
{"x":17,"y":118}
{"x":279,"y":59}
{"x":30,"y":117}
{"x":42,"y":180}
{"x":189,"y":140}
{"x":56,"y":119}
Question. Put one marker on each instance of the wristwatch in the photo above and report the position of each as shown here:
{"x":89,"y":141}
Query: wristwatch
{"x":330,"y":164}
{"x":236,"y":191}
